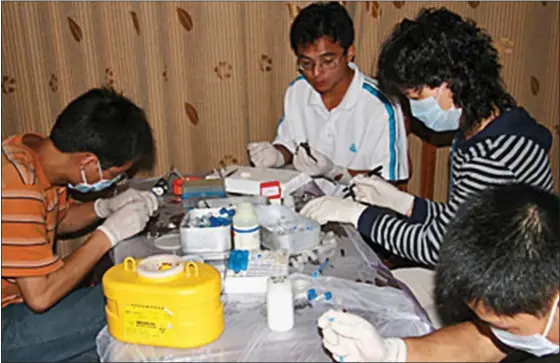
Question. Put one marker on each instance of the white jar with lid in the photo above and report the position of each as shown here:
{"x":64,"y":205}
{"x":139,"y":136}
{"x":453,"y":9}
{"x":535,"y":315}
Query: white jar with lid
{"x":246,"y":228}
{"x":280,"y":304}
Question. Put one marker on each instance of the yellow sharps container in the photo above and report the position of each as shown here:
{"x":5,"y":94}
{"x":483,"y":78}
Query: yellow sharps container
{"x":164,"y":301}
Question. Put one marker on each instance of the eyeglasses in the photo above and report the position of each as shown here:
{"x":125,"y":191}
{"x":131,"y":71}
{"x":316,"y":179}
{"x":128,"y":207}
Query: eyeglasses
{"x":327,"y":63}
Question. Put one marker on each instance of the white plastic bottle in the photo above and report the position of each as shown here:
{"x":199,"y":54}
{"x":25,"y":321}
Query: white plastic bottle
{"x":280,"y":304}
{"x":246,"y":228}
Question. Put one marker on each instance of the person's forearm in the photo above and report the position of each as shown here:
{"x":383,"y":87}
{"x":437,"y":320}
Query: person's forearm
{"x":78,"y":216}
{"x":285,"y":153}
{"x":464,"y":342}
{"x":40,"y":293}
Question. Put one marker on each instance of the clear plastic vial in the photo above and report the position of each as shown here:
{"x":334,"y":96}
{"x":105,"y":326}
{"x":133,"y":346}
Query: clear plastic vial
{"x":246,"y":228}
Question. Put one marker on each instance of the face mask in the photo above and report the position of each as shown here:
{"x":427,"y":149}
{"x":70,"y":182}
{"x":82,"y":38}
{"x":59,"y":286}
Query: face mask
{"x":537,"y":344}
{"x":433,"y":116}
{"x":85,"y":187}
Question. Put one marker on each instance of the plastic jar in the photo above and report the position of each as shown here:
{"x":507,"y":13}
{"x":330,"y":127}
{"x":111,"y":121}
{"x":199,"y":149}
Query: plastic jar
{"x":279,"y":304}
{"x":246,"y":228}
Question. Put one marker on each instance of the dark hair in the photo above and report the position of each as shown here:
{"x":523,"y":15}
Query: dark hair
{"x":322,"y":19}
{"x":501,"y":250}
{"x":439,"y":46}
{"x":107,"y":124}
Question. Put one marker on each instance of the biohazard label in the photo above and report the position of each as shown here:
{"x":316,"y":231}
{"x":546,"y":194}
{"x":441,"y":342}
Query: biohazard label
{"x":146,"y":321}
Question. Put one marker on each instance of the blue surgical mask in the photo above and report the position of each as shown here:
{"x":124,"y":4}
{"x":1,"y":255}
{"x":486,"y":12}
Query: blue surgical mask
{"x":85,"y":187}
{"x":537,"y":344}
{"x":433,"y":116}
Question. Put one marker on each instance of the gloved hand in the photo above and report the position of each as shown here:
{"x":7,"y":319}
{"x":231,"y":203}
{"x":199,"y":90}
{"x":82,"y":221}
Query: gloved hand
{"x":104,"y":207}
{"x":377,"y":191}
{"x":125,"y":222}
{"x":322,"y":167}
{"x":333,"y":209}
{"x":265,"y":155}
{"x":350,"y":338}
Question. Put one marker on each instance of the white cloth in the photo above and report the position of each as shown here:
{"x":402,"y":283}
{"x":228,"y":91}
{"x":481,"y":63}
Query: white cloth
{"x":421,"y":282}
{"x":361,"y":133}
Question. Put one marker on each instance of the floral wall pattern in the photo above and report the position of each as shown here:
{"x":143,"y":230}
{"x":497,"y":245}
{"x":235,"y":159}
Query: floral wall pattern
{"x":211,"y":75}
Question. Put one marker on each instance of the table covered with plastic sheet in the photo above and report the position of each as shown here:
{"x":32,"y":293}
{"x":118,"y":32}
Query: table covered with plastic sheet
{"x":355,"y":275}
{"x":247,"y":338}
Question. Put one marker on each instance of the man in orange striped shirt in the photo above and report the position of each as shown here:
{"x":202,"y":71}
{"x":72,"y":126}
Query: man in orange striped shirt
{"x":95,"y":139}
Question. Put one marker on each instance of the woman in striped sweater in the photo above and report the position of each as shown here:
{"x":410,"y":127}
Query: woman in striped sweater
{"x":449,"y":70}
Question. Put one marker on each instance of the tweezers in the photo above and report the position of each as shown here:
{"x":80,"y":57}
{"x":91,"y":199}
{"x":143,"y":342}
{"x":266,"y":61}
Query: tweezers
{"x":349,"y":190}
{"x":307,"y":149}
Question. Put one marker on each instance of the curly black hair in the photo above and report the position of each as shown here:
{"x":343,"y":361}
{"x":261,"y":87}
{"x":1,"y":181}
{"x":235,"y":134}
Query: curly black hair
{"x":440,"y":46}
{"x":322,"y":19}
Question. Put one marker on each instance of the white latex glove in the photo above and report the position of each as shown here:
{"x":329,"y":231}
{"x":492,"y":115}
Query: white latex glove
{"x":104,"y":207}
{"x":322,"y":167}
{"x":350,"y":338}
{"x":377,"y":191}
{"x":333,"y":209}
{"x":125,"y":222}
{"x":265,"y":155}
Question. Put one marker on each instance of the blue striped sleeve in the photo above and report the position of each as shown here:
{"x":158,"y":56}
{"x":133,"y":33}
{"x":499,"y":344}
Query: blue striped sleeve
{"x":393,"y":147}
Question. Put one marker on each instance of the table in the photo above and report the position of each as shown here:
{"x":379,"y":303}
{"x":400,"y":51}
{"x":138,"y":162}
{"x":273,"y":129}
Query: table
{"x":355,"y":273}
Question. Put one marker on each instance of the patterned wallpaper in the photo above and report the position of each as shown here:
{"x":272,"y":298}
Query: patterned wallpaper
{"x":212,"y":75}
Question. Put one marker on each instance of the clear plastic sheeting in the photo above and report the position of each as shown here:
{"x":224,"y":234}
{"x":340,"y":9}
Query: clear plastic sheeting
{"x":247,"y":338}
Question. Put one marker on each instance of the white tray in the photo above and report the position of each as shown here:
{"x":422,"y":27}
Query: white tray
{"x":207,"y":239}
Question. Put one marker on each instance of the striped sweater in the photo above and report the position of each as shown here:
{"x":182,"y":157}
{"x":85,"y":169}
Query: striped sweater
{"x":512,"y":148}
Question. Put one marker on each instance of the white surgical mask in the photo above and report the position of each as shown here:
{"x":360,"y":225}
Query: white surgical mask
{"x":433,"y":116}
{"x":85,"y":187}
{"x":536,"y":344}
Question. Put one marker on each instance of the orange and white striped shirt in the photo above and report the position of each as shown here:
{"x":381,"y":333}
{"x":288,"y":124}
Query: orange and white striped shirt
{"x":31,"y":211}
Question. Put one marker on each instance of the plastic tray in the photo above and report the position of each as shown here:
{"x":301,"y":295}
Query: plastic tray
{"x":207,"y":239}
{"x":273,"y":218}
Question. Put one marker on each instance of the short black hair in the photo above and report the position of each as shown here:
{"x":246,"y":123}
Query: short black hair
{"x":322,"y":19}
{"x":440,"y":46}
{"x":107,"y":124}
{"x":501,"y":250}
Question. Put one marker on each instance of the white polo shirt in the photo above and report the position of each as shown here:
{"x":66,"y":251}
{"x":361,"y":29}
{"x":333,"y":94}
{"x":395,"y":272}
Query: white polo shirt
{"x":364,"y":131}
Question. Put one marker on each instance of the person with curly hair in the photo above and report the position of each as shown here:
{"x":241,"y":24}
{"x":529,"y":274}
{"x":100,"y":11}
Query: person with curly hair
{"x":344,"y":123}
{"x":448,"y":69}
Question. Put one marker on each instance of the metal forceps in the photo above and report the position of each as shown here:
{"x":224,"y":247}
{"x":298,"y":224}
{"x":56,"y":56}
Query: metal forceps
{"x":349,"y":190}
{"x":307,"y":149}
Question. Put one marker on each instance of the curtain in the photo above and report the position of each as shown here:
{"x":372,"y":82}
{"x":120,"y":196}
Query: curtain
{"x":211,"y":76}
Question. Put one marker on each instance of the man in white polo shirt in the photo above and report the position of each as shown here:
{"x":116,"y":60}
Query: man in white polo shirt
{"x":348,"y":124}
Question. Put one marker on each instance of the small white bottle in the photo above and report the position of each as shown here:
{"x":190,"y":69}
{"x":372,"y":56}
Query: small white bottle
{"x":246,"y":228}
{"x":280,"y":304}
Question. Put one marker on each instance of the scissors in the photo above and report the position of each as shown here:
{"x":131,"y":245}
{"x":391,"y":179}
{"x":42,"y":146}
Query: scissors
{"x":349,"y":190}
